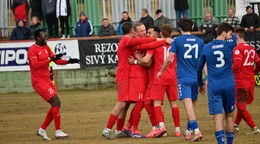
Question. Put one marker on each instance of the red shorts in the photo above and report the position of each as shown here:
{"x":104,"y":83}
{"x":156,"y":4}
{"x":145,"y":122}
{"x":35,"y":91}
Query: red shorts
{"x":137,"y":88}
{"x":147,"y":96}
{"x":158,"y":92}
{"x":244,"y":96}
{"x":46,"y":89}
{"x":122,"y":85}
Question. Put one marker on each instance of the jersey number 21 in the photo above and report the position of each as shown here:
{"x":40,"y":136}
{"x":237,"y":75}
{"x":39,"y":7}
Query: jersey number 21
{"x":188,"y":54}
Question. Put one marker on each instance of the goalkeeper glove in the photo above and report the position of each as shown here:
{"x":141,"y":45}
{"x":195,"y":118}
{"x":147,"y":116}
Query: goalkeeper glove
{"x":73,"y":60}
{"x":56,"y":57}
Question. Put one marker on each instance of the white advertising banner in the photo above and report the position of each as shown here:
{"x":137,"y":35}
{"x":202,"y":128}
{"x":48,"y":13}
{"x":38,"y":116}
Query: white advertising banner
{"x":13,"y":56}
{"x":70,"y":48}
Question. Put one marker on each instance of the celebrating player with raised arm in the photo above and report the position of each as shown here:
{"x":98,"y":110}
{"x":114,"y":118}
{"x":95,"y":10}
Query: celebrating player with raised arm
{"x":39,"y":56}
{"x":221,"y":86}
{"x":122,"y":79}
{"x":187,"y":49}
{"x":244,"y":58}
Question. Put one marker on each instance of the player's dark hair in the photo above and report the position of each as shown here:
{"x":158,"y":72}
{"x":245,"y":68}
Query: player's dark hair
{"x":166,"y":30}
{"x":185,"y":24}
{"x":127,"y":27}
{"x":137,"y":24}
{"x":240,"y":33}
{"x":37,"y":33}
{"x":224,"y":27}
{"x":155,"y":28}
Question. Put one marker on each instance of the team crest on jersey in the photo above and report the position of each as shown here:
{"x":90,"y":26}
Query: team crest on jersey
{"x":237,"y":52}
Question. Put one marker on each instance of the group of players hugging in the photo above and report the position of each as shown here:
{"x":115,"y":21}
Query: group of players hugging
{"x":152,"y":64}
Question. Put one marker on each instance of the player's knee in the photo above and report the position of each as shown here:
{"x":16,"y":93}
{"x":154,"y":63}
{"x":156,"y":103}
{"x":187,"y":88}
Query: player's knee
{"x":121,"y":105}
{"x":157,"y":103}
{"x":173,"y":104}
{"x":55,"y":101}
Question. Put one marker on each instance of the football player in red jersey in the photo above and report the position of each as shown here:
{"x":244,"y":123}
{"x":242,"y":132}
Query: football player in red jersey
{"x":139,"y":82}
{"x":244,"y":58}
{"x":167,"y":83}
{"x":39,"y":56}
{"x":122,"y":78}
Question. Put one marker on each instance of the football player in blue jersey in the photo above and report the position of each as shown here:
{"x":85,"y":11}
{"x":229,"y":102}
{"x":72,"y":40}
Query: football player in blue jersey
{"x":188,"y":49}
{"x":221,"y":86}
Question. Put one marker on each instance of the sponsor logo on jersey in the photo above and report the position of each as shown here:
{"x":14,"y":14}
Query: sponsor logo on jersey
{"x":217,"y":46}
{"x":190,"y":39}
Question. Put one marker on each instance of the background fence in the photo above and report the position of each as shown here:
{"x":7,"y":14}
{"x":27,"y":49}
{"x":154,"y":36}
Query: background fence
{"x":112,"y":9}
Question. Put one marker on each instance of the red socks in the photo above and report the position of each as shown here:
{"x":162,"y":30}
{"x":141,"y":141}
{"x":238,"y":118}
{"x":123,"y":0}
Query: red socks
{"x":158,"y":114}
{"x":48,"y":119}
{"x":246,"y":116}
{"x":137,"y":114}
{"x":120,"y":124}
{"x":111,"y":121}
{"x":150,"y":111}
{"x":53,"y":113}
{"x":238,"y":117}
{"x":56,"y":116}
{"x":176,"y":116}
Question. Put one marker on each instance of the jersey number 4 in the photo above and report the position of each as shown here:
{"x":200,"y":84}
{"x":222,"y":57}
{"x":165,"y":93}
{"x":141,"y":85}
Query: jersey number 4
{"x":250,"y":55}
{"x":190,"y":47}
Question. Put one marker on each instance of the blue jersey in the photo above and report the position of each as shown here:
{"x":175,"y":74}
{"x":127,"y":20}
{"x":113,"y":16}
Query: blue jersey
{"x":188,"y":49}
{"x":218,"y":57}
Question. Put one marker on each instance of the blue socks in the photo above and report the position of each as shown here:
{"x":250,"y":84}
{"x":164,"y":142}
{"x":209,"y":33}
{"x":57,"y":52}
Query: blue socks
{"x":220,"y":136}
{"x":229,"y":137}
{"x":188,"y":126}
{"x":193,"y":124}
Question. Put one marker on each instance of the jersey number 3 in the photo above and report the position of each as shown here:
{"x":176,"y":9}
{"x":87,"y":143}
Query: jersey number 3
{"x":187,"y":54}
{"x":220,"y":59}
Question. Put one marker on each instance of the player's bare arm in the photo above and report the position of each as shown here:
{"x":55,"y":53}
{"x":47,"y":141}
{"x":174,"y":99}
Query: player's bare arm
{"x":143,"y":59}
{"x":205,"y":70}
{"x":166,"y":64}
{"x":139,"y":60}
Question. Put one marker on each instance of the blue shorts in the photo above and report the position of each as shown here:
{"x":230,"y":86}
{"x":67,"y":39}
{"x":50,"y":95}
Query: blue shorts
{"x":188,"y":88}
{"x":219,"y":99}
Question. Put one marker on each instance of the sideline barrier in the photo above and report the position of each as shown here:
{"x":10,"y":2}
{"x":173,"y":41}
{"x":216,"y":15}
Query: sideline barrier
{"x":98,"y":52}
{"x":13,"y":56}
{"x":97,"y":68}
{"x":92,"y":51}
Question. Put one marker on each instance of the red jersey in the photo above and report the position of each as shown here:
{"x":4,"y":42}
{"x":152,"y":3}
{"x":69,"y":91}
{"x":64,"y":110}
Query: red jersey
{"x":151,"y":69}
{"x":169,"y":75}
{"x":142,"y":71}
{"x":138,"y":70}
{"x":124,"y":50}
{"x":244,"y":57}
{"x":39,"y":59}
